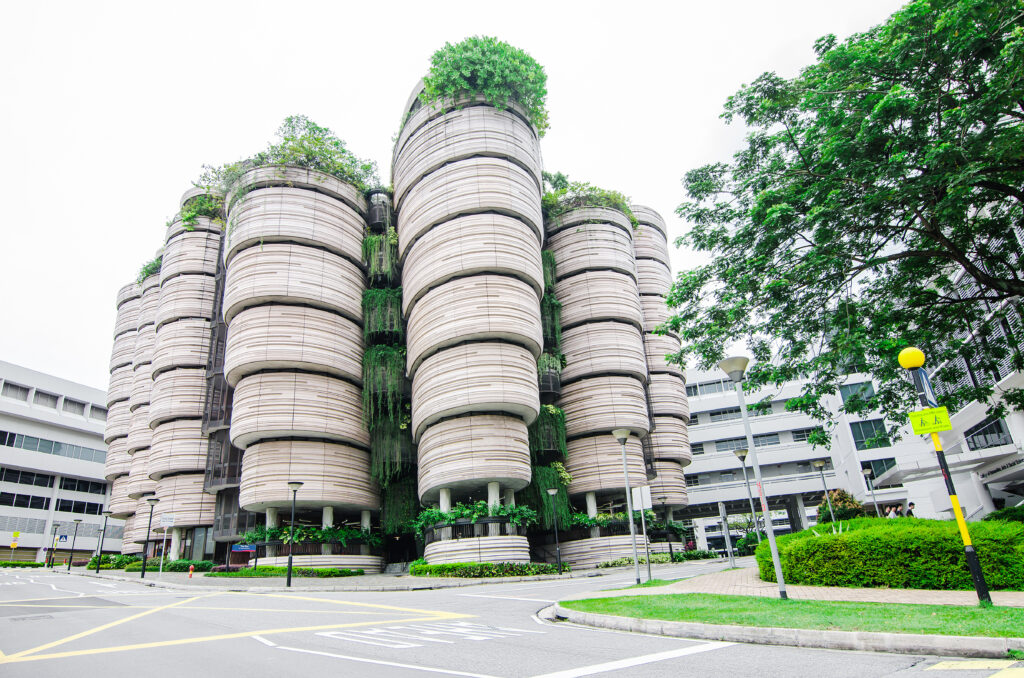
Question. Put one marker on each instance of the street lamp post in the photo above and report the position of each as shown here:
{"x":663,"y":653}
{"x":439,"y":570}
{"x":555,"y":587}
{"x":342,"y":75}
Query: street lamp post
{"x":820,"y":465}
{"x":735,"y":367}
{"x":622,"y":435}
{"x":552,"y":492}
{"x":149,"y":529}
{"x":78,"y":522}
{"x":912,"y":359}
{"x":99,"y":546}
{"x":294,"y":487}
{"x":871,"y":486}
{"x":742,"y":454}
{"x":53,"y":547}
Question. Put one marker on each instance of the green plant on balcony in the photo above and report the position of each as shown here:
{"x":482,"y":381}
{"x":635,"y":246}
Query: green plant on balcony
{"x":547,"y":432}
{"x":522,"y":516}
{"x":547,"y":260}
{"x":205,"y":205}
{"x":380,"y":254}
{"x":399,"y":505}
{"x":150,"y":268}
{"x":391,"y":449}
{"x":576,"y":195}
{"x":551,"y":320}
{"x":499,"y":72}
{"x":382,"y":313}
{"x":383,"y":382}
{"x":550,"y":361}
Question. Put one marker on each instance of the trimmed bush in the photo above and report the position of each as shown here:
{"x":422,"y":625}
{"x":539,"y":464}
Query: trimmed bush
{"x":662,"y":558}
{"x":280,"y":571}
{"x":902,"y":553}
{"x":1011,"y":513}
{"x":481,"y":570}
{"x":19,"y":563}
{"x":170,"y":565}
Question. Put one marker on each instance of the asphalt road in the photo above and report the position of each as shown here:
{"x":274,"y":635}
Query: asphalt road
{"x":52,"y":623}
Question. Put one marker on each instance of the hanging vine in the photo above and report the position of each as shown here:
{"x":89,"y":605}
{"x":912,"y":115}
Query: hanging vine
{"x":383,"y":382}
{"x":535,"y":495}
{"x":551,"y":361}
{"x":391,"y":447}
{"x":551,"y":320}
{"x":547,"y":260}
{"x":380,"y":254}
{"x":400,"y":505}
{"x":547,"y":435}
{"x":382,"y":313}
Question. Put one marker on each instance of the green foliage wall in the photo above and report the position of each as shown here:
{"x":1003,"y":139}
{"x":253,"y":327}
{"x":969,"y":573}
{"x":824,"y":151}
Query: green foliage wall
{"x":399,"y":505}
{"x":548,"y":509}
{"x":383,"y":382}
{"x":547,"y":432}
{"x":382,"y":313}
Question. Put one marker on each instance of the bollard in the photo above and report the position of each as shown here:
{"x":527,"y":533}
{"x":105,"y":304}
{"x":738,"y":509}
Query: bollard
{"x":191,"y":569}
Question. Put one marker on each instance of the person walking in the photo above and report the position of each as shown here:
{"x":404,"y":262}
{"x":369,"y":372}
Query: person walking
{"x":890,"y":511}
{"x":899,"y":510}
{"x":910,"y":510}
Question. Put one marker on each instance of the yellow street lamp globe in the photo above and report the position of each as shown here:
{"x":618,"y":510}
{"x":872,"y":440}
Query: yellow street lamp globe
{"x":911,"y":358}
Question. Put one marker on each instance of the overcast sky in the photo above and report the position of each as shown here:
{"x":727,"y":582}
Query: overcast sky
{"x":109,"y":110}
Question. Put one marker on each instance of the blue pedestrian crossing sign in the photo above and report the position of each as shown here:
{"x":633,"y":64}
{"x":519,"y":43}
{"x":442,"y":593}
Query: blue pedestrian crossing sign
{"x":63,"y":538}
{"x":930,"y":420}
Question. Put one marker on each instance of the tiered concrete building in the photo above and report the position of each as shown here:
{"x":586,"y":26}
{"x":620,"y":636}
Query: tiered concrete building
{"x":240,"y":366}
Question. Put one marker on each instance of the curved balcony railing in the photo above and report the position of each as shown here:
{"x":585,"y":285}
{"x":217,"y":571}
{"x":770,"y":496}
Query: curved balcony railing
{"x":465,"y":528}
{"x":353,"y":547}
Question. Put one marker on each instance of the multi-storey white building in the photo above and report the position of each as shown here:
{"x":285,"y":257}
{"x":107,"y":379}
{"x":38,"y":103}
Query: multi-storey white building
{"x":51,"y":467}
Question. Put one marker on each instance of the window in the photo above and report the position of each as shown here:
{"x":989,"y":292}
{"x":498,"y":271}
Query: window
{"x":727,"y":476}
{"x":98,"y":413}
{"x":801,"y":435}
{"x":52,"y":447}
{"x":76,"y":485}
{"x":869,"y":434}
{"x":730,"y":445}
{"x":11,"y":475}
{"x":766,"y":439}
{"x":24,"y":501}
{"x":73,"y":506}
{"x":864,"y":389}
{"x":694,"y":419}
{"x":691,"y":480}
{"x":708,"y":387}
{"x":14,"y":391}
{"x":45,"y":399}
{"x":726,"y":414}
{"x":988,"y":432}
{"x":696,"y":448}
{"x":691,"y":390}
{"x":878,"y":467}
{"x":74,"y":407}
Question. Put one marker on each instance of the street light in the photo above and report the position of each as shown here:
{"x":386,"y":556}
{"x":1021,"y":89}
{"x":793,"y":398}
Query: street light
{"x":99,"y":546}
{"x":552,"y":492}
{"x":742,"y":454}
{"x":735,"y":367}
{"x":871,"y":486}
{"x":622,"y":435}
{"x":77,"y":523}
{"x":912,"y":359}
{"x":149,"y":529}
{"x":53,"y":547}
{"x":820,"y":465}
{"x":294,"y":487}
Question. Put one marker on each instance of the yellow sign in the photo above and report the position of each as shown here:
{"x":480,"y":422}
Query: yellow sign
{"x":14,"y":544}
{"x":931,"y":420}
{"x":17,"y":534}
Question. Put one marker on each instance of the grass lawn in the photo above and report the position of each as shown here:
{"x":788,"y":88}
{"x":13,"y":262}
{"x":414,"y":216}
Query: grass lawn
{"x":705,"y":608}
{"x":652,"y":582}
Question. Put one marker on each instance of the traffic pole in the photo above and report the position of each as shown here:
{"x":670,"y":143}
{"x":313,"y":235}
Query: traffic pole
{"x":912,"y":359}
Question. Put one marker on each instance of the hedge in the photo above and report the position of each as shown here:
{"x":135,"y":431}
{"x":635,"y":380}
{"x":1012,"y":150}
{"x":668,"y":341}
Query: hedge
{"x":480,"y":570}
{"x":661,"y":558}
{"x":153,"y":565}
{"x":19,"y":563}
{"x":1012,"y":513}
{"x":901,"y":553}
{"x":281,"y":571}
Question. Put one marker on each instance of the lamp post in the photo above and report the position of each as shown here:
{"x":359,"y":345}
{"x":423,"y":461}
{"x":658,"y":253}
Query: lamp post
{"x":53,"y":547}
{"x":871,"y":486}
{"x":294,"y":487}
{"x":552,"y":492}
{"x":735,"y":367}
{"x":742,"y":454}
{"x":912,"y":359}
{"x":820,"y":465}
{"x":622,"y":435}
{"x":99,"y":546}
{"x":149,"y":529}
{"x":78,"y":521}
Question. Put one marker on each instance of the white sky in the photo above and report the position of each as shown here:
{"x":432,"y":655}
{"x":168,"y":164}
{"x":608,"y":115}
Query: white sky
{"x":108,"y":110}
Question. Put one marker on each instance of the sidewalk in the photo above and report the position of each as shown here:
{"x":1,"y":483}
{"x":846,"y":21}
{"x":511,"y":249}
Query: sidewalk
{"x":745,"y":582}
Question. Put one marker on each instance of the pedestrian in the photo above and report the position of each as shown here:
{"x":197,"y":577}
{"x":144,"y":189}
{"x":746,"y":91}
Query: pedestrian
{"x":899,"y":510}
{"x":890,"y":511}
{"x":910,"y":510}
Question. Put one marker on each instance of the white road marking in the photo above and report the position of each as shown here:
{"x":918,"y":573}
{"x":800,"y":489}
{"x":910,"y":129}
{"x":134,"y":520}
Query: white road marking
{"x":634,"y":661}
{"x":379,"y":662}
{"x":481,"y":595}
{"x":416,"y":635}
{"x":268,"y":643}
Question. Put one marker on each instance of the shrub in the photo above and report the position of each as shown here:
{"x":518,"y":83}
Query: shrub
{"x":1011,"y":513}
{"x":479,"y":570}
{"x":19,"y":563}
{"x":693,"y":554}
{"x":902,"y":553}
{"x":843,"y":504}
{"x":281,"y":571}
{"x":661,"y":558}
{"x":170,"y":565}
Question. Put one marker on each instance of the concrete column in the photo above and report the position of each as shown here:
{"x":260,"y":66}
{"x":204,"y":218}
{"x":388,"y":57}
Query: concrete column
{"x":591,"y":498}
{"x":795,"y":512}
{"x":327,"y":521}
{"x":444,"y":499}
{"x":983,"y":496}
{"x":273,"y":520}
{"x":175,"y":543}
{"x":364,"y":522}
{"x":668,"y":515}
{"x":699,"y":536}
{"x":510,"y":497}
{"x":493,"y":499}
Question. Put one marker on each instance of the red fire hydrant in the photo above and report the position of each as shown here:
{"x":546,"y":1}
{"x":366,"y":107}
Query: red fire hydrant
{"x":191,"y":569}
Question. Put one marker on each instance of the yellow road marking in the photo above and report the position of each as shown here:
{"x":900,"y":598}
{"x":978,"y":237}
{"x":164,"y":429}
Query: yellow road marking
{"x":338,"y":602}
{"x":25,"y":657}
{"x":972,"y":665}
{"x":104,"y":627}
{"x":1009,"y":673}
{"x":190,"y":607}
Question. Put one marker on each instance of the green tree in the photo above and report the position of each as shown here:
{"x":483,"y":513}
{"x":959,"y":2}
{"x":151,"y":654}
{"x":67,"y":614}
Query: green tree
{"x":843,"y":505}
{"x":877,"y":203}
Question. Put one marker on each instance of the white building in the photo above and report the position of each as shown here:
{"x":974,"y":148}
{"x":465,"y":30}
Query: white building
{"x":51,"y":467}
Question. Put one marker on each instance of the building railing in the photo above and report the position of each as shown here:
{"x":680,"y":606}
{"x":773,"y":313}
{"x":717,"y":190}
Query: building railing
{"x":464,"y":528}
{"x":353,"y":547}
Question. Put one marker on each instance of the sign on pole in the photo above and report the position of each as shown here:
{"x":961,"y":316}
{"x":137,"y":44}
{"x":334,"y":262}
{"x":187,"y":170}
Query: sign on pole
{"x":642,"y":498}
{"x":243,"y":548}
{"x":14,"y":544}
{"x":63,"y":538}
{"x":16,"y":535}
{"x":930,"y":420}
{"x":167,"y":520}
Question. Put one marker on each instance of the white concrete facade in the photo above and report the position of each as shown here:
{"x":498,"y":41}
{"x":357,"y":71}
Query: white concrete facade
{"x":51,"y":466}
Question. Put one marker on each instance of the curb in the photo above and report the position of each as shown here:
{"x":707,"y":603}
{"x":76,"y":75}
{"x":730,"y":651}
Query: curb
{"x":870,"y":641}
{"x":424,"y":585}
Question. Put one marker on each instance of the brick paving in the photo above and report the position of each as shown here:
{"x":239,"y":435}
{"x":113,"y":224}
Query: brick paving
{"x":744,"y":581}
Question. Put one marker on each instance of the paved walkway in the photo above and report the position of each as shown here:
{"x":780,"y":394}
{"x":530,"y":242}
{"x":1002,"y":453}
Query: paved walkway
{"x":745,"y":582}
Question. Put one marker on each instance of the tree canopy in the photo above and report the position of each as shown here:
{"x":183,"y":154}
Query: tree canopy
{"x":876,"y":204}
